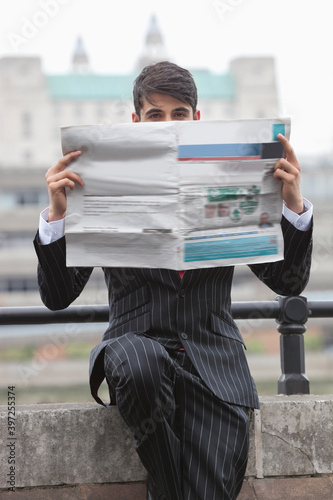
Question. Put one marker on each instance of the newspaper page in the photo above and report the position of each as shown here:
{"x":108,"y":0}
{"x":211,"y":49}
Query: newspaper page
{"x":175,"y":195}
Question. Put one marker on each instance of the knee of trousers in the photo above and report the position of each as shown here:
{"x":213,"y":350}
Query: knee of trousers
{"x":139,"y":367}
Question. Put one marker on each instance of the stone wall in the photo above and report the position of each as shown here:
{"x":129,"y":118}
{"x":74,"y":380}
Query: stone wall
{"x":82,"y":450}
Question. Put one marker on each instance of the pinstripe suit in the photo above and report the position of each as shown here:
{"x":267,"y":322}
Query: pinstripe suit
{"x":153,"y":313}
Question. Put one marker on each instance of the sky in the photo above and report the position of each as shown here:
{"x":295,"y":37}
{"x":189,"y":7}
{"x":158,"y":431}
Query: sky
{"x":198,"y":34}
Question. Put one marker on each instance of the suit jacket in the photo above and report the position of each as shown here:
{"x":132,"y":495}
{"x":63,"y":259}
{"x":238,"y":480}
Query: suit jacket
{"x":193,"y":312}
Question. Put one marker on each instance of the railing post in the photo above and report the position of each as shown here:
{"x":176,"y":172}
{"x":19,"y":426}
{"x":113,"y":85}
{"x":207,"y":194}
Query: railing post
{"x":292,"y":319}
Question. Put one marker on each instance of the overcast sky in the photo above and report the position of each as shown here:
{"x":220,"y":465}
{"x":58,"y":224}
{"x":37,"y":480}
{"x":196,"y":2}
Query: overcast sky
{"x":198,"y":34}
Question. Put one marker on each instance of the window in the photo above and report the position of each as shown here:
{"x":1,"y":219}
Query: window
{"x":18,"y":284}
{"x":78,"y":110}
{"x":27,"y":198}
{"x":26,"y":124}
{"x":57,"y":109}
{"x":27,"y":156}
{"x":100,"y":111}
{"x":7,"y":201}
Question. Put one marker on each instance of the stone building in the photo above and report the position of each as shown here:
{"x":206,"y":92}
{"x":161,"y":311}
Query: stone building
{"x":34,"y":105}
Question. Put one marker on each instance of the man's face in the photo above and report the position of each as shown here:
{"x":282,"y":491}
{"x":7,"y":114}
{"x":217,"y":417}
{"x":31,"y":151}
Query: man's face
{"x":223,"y":209}
{"x":264,"y":219}
{"x":210,"y":210}
{"x":165,"y":109}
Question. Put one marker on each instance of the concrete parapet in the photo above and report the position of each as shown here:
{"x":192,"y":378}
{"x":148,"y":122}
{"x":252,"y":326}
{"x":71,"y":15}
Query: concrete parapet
{"x":292,"y":436}
{"x":60,"y":445}
{"x":69,"y":444}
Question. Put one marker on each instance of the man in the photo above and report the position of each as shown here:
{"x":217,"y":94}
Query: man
{"x":223,"y":209}
{"x":172,"y":355}
{"x":210,"y":210}
{"x":264,"y":221}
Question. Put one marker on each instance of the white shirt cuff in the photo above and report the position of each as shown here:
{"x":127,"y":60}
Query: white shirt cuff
{"x":50,"y":231}
{"x":301,"y":222}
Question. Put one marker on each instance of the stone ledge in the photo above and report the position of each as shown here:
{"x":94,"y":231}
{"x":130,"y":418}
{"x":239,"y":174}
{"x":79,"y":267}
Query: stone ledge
{"x":115,"y":491}
{"x":70,"y":444}
{"x":81,"y":444}
{"x":303,"y":488}
{"x":295,"y":436}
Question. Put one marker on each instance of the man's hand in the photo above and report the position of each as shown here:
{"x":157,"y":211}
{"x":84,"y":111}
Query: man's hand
{"x":288,"y":170}
{"x":57,"y":179}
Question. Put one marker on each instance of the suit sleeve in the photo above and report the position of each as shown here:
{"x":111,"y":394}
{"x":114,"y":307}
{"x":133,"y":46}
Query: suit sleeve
{"x":290,"y":275}
{"x":59,"y":285}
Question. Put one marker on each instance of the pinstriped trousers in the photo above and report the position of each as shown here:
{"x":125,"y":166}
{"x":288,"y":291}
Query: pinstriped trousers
{"x":193,"y":445}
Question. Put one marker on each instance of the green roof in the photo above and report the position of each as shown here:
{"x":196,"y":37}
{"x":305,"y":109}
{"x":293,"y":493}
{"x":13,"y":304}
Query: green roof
{"x":89,"y":86}
{"x":105,"y":87}
{"x":212,"y":85}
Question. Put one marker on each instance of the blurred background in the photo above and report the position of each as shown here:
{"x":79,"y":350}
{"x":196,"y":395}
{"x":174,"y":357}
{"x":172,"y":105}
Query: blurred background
{"x":70,"y":62}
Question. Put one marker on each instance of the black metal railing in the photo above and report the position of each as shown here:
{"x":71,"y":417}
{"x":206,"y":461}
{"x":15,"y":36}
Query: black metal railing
{"x":291,"y":314}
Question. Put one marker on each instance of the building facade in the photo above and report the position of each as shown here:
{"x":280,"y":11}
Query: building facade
{"x":34,"y":105}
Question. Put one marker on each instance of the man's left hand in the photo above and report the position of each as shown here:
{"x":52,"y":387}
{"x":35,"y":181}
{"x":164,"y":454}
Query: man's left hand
{"x":288,"y":171}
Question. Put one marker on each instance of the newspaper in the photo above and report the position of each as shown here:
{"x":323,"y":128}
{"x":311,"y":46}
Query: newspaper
{"x":175,"y":195}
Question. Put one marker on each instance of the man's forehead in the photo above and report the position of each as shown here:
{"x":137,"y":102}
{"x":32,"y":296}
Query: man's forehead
{"x":156,"y":100}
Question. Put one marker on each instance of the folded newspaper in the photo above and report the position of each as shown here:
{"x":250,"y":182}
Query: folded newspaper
{"x":175,"y":195}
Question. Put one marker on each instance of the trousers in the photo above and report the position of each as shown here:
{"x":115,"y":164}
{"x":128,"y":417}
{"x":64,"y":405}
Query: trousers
{"x":193,"y":445}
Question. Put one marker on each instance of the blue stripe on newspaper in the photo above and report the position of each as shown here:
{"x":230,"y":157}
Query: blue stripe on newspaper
{"x":223,"y":235}
{"x":219,"y":150}
{"x":231,"y":249}
{"x":278,"y":128}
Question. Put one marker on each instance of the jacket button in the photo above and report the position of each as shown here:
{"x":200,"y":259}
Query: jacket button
{"x":184,"y":335}
{"x":182,"y":292}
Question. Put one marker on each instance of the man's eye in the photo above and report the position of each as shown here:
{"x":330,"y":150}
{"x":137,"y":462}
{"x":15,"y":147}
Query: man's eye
{"x":154,"y":116}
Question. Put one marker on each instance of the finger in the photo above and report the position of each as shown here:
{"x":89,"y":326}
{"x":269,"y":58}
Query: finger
{"x":288,"y":148}
{"x":283,"y":175}
{"x":287,"y":176}
{"x":285,"y":165}
{"x":60,"y":184}
{"x":279,"y":165}
{"x":65,"y":160}
{"x":51,"y":177}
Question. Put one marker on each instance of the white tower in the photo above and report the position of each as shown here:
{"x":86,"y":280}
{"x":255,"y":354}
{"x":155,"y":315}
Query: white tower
{"x":154,"y":49}
{"x":80,"y":61}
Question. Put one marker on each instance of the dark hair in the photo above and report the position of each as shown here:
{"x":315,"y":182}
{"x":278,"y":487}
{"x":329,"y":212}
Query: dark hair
{"x":165,"y":78}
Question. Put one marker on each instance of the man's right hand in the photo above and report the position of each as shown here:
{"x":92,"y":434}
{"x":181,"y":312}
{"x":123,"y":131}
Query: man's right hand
{"x":57,"y":178}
